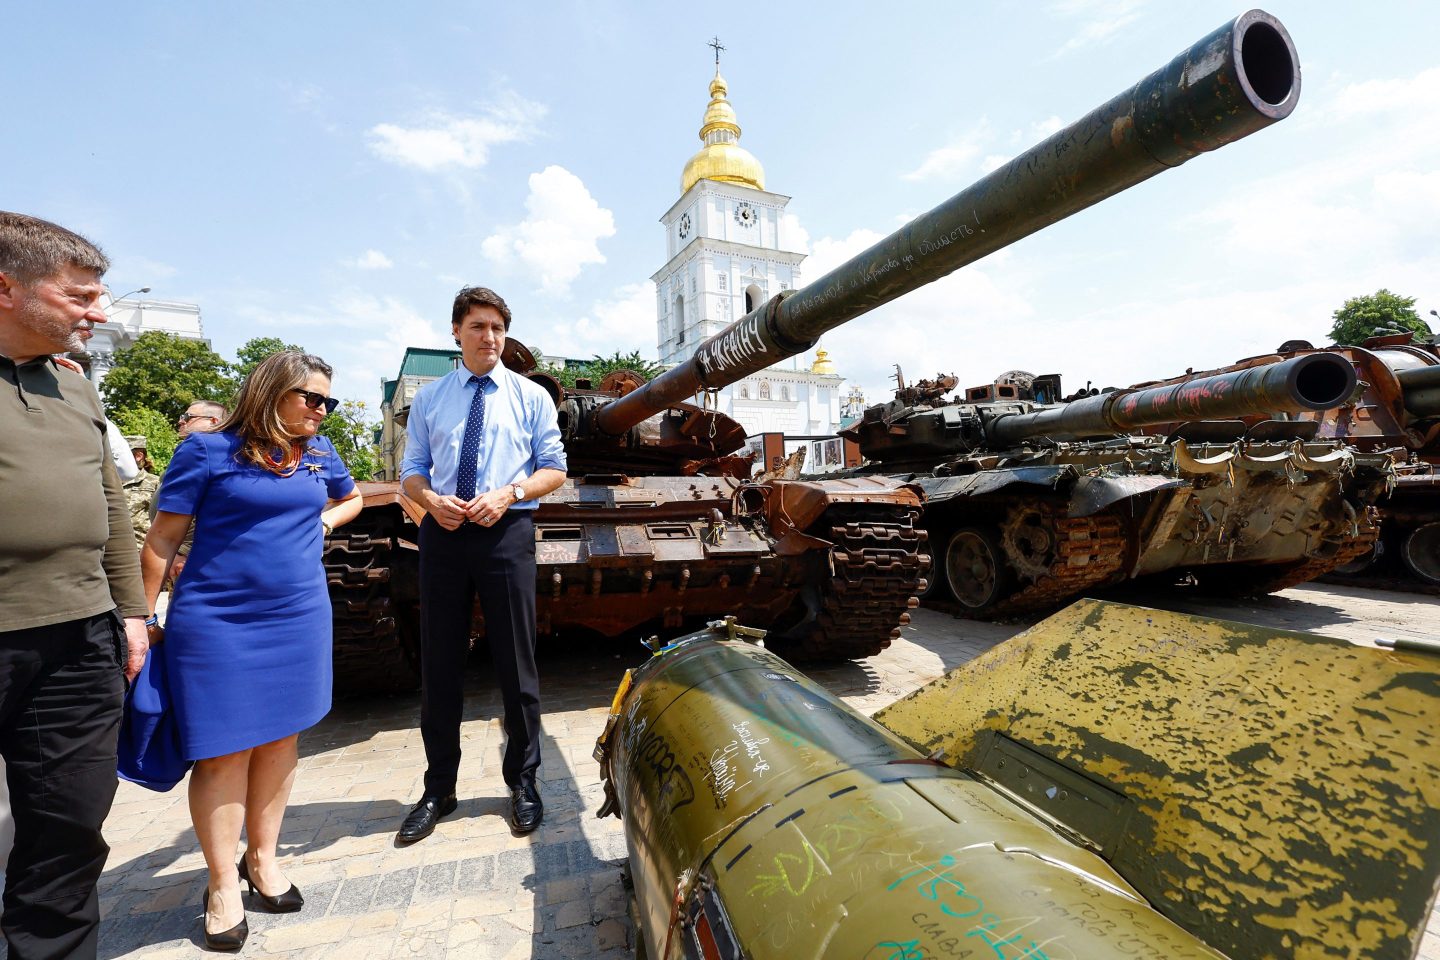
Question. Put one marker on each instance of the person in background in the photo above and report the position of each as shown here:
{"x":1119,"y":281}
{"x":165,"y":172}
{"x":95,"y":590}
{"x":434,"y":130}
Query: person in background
{"x":140,"y":492}
{"x":72,"y":611}
{"x":247,"y":639}
{"x":483,"y":447}
{"x":201,"y":416}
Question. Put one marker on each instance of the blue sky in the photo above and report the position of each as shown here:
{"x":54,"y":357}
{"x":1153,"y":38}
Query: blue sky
{"x":331,"y":173}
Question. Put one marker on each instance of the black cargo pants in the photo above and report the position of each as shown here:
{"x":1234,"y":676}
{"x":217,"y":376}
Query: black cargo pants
{"x":61,"y":688}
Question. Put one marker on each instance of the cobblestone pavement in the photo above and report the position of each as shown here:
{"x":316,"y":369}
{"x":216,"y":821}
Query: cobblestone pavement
{"x":474,"y":890}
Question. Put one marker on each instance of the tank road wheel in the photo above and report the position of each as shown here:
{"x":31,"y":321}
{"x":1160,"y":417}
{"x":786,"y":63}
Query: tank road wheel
{"x":937,"y":587}
{"x":1420,"y":551}
{"x":975,"y":570}
{"x":1029,"y":541}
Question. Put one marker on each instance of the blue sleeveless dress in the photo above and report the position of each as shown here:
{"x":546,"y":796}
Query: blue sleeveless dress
{"x":248,"y":634}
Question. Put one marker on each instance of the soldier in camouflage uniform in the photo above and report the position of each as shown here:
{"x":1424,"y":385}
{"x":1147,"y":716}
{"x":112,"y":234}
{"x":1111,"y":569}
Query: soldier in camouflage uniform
{"x":140,"y":492}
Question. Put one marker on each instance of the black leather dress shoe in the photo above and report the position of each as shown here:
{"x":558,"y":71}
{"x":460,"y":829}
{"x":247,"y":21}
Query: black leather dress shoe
{"x":420,"y":822}
{"x":526,"y":810}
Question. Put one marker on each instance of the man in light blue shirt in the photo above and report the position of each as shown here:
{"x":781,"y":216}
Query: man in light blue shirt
{"x":483,"y":447}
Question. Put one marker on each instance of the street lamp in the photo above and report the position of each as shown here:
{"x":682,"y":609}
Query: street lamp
{"x":114,"y":299}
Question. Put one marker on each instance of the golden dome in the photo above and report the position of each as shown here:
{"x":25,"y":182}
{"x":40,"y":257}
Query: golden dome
{"x":722,"y":158}
{"x":823,"y":364}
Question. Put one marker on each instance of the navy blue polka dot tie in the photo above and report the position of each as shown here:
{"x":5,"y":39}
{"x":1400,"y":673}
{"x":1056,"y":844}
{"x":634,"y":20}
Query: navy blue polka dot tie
{"x":470,"y":445}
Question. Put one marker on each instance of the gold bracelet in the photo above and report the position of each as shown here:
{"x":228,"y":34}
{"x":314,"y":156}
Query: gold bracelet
{"x":326,"y":527}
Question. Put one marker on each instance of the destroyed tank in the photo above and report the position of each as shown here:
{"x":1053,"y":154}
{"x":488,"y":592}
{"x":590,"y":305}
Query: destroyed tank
{"x":1033,"y":498}
{"x":1397,"y":410}
{"x":658,"y":525}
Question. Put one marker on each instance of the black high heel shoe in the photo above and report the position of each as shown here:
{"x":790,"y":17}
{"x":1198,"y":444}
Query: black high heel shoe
{"x":227,"y":940}
{"x":288,"y":902}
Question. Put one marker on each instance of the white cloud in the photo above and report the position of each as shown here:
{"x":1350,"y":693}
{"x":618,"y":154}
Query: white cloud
{"x":622,"y":322}
{"x":373,"y":260}
{"x":443,"y":140}
{"x":1417,"y":94}
{"x":361,"y":335}
{"x":1099,"y":20}
{"x":559,"y":236}
{"x":793,"y":235}
{"x":1041,"y":129}
{"x":955,"y":159}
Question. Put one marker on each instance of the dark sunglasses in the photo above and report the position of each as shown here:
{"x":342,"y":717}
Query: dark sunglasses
{"x":187,"y":417}
{"x":313,"y":400}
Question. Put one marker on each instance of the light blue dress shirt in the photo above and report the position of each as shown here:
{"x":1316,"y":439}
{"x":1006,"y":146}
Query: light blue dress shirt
{"x":521,"y":434}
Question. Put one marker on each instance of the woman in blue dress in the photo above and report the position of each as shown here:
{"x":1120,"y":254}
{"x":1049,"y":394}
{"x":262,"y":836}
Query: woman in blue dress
{"x":247,"y":640}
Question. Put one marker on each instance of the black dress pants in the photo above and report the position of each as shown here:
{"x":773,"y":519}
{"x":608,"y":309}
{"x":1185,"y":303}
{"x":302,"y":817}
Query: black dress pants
{"x":61,"y":688}
{"x":497,"y":565}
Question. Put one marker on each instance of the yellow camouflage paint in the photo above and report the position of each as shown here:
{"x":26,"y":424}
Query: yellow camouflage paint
{"x":1274,"y":793}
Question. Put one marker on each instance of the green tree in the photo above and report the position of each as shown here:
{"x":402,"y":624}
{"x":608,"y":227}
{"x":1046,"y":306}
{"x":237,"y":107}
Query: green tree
{"x":164,"y":373}
{"x":1381,"y":314}
{"x":597,"y":366}
{"x":252,"y":351}
{"x":159,"y":433}
{"x":353,"y":433}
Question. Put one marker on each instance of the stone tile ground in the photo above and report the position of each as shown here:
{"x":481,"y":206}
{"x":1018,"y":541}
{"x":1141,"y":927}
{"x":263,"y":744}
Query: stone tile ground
{"x":472,"y":890}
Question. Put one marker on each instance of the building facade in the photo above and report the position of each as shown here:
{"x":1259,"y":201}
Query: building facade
{"x":128,"y":318}
{"x":727,"y":254}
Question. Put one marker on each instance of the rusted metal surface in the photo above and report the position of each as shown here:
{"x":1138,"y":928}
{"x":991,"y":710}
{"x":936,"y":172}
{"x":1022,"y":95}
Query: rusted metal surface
{"x":1024,"y":524}
{"x":1395,"y":413}
{"x":1273,"y":793}
{"x":1317,"y":381}
{"x":1239,"y":79}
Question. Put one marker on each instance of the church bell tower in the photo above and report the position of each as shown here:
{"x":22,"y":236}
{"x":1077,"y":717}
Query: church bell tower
{"x":726,"y":255}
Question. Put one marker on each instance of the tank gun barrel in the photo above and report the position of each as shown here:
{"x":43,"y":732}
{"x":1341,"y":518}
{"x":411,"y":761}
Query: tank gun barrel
{"x":1235,"y":81}
{"x":1316,"y":381}
{"x":1422,"y":391}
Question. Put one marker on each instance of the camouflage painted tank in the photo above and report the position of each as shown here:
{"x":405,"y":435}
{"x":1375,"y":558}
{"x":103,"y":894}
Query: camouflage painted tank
{"x":659,"y":523}
{"x":1032,"y":498}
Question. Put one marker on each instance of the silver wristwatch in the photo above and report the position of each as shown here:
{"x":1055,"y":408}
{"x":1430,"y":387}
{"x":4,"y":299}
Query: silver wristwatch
{"x":518,"y":492}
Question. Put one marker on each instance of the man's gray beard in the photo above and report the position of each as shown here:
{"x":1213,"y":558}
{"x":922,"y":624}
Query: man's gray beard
{"x":37,"y":318}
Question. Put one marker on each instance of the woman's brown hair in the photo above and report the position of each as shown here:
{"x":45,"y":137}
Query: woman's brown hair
{"x":256,"y":418}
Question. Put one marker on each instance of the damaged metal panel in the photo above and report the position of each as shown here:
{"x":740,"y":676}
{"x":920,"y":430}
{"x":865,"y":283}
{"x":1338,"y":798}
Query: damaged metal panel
{"x":1280,"y":790}
{"x":1093,"y":494}
{"x":940,"y":489}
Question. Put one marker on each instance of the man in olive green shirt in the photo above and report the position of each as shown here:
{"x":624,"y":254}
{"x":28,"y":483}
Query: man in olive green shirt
{"x":72,"y":595}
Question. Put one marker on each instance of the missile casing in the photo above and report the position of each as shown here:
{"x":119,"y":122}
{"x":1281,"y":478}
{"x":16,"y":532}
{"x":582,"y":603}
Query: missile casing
{"x":1117,"y":782}
{"x":767,"y":819}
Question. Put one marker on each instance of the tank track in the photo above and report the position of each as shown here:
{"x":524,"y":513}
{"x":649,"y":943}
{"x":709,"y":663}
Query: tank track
{"x":370,"y":653}
{"x":876,"y":567}
{"x":1089,"y":551}
{"x":1256,"y":580}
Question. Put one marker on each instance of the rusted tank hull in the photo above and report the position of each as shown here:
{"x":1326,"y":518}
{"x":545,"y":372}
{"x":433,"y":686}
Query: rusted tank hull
{"x":834,"y":566}
{"x":1244,"y":517}
{"x":1394,"y":413}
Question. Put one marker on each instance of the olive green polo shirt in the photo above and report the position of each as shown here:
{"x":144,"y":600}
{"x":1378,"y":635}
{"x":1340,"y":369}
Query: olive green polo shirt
{"x":67,"y":549}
